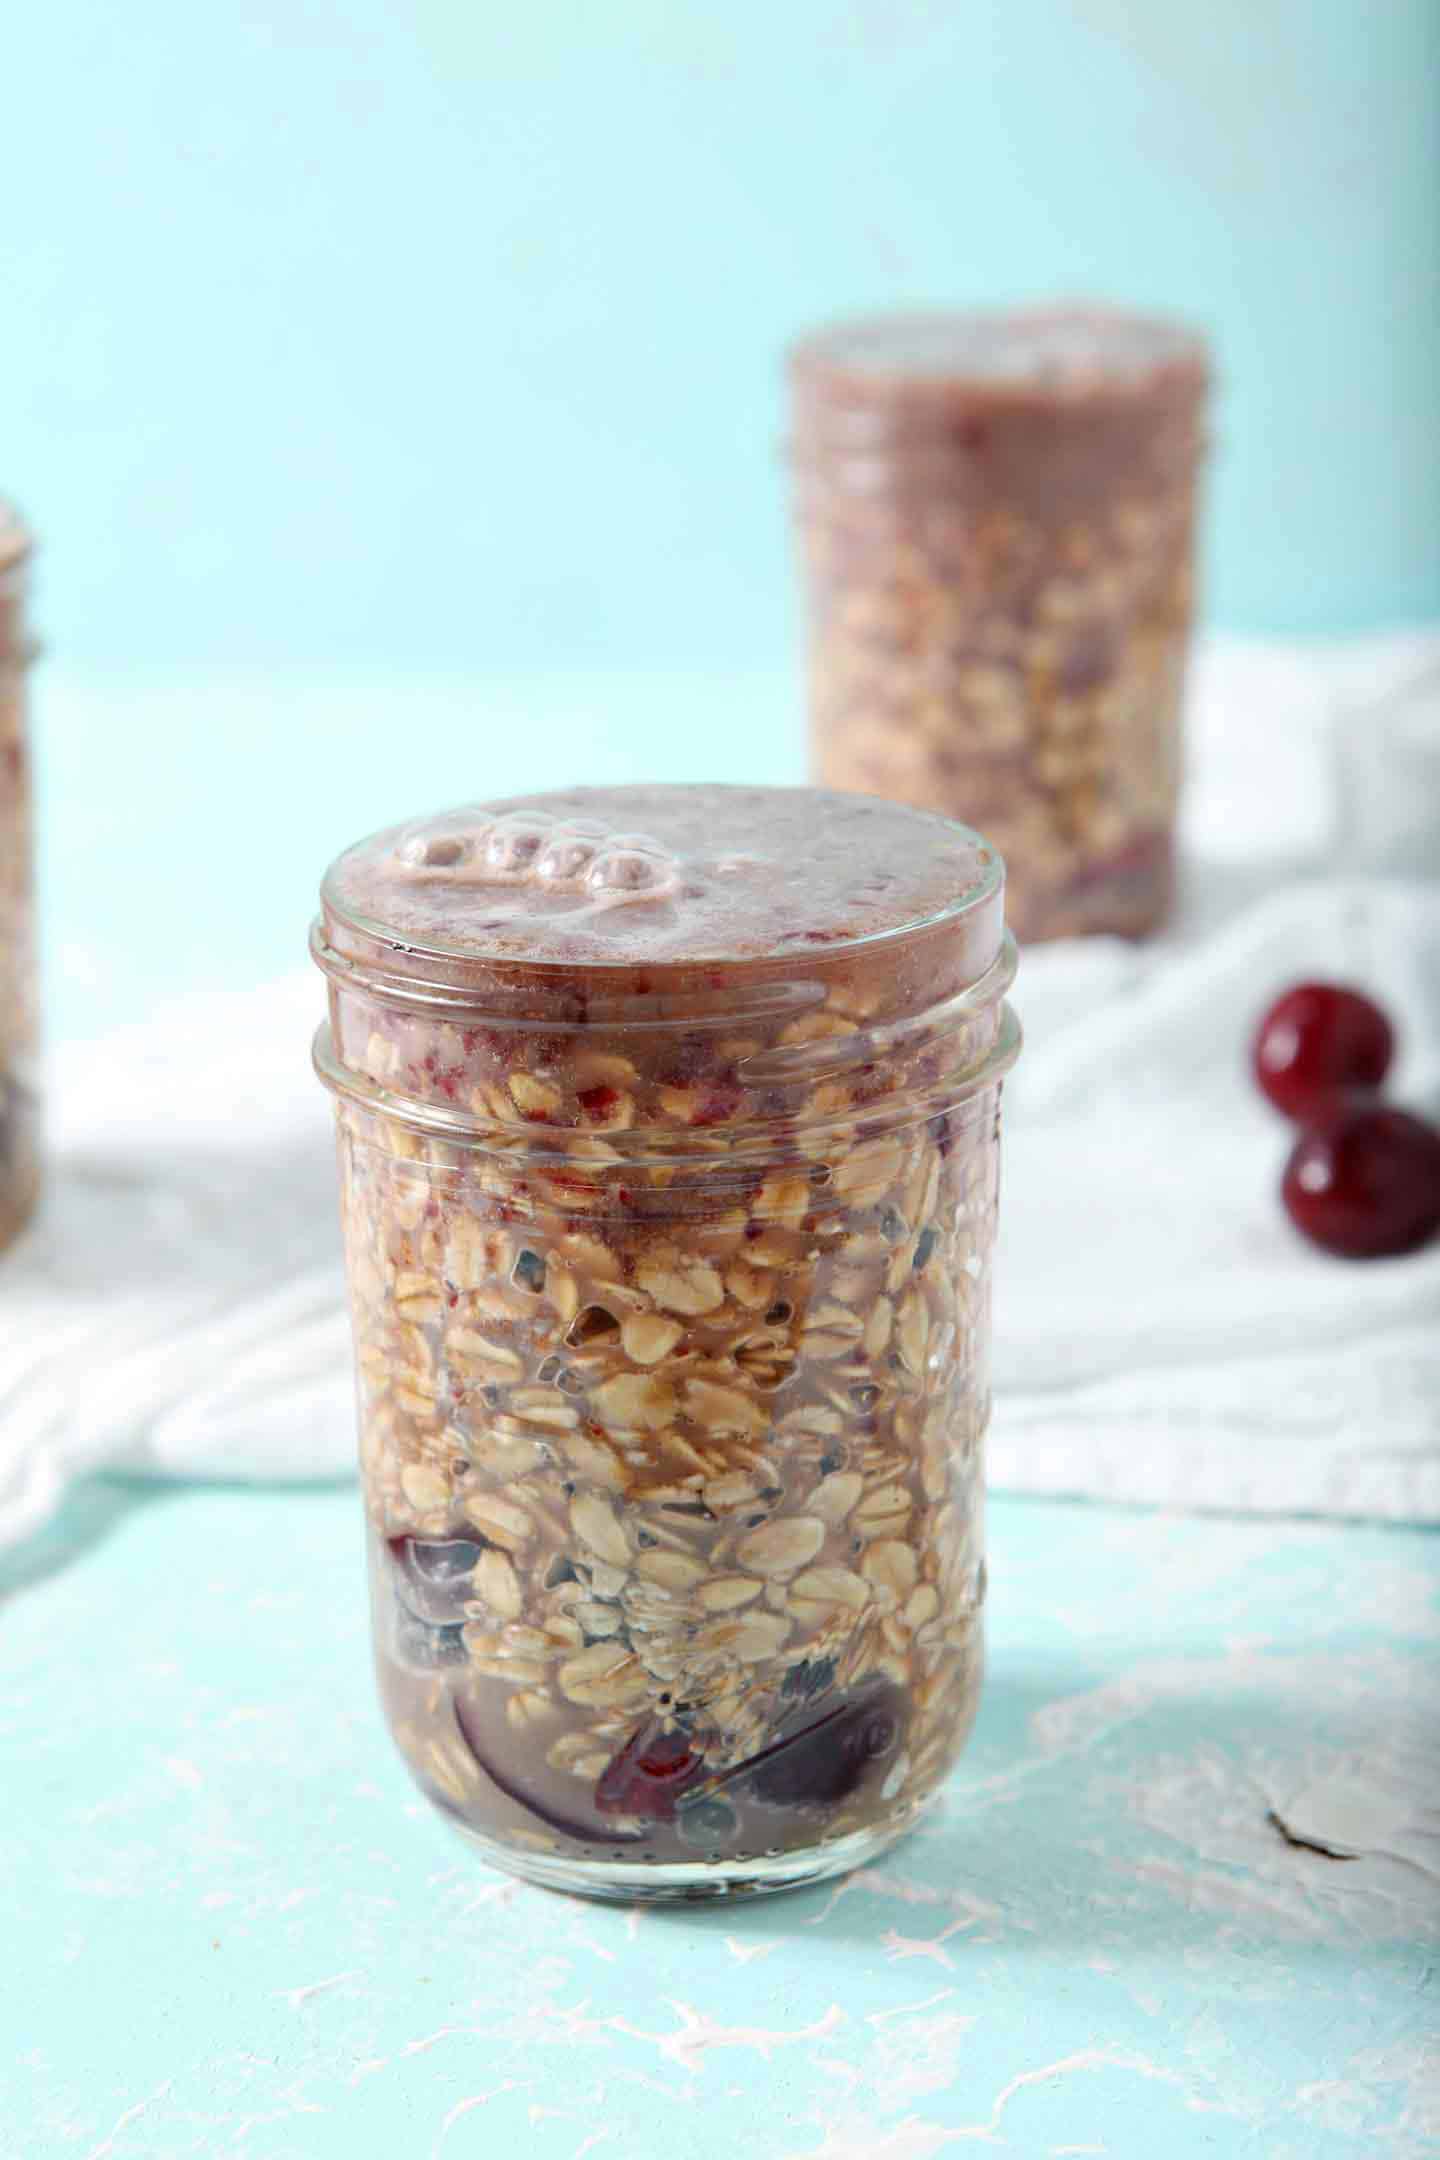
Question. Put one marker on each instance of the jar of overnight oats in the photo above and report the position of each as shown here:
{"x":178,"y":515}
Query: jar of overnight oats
{"x":668,"y":1132}
{"x":19,"y":1024}
{"x":996,"y":516}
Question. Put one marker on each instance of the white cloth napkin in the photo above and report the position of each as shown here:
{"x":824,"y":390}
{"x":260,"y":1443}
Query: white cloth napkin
{"x":179,"y":1304}
{"x":1161,"y":1334}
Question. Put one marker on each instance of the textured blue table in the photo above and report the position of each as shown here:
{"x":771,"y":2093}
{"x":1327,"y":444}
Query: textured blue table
{"x":230,"y":1927}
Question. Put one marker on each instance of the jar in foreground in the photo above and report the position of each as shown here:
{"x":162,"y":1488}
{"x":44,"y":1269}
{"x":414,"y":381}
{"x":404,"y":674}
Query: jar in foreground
{"x":996,"y":519}
{"x":19,"y":1023}
{"x":668,"y":1136}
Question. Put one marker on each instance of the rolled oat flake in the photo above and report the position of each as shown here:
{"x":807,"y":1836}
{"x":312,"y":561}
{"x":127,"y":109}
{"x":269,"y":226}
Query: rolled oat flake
{"x":668,"y":1149}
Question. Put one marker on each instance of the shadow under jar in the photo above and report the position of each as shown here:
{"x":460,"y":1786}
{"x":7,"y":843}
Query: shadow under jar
{"x":996,"y":517}
{"x":19,"y":1020}
{"x":668,"y":1131}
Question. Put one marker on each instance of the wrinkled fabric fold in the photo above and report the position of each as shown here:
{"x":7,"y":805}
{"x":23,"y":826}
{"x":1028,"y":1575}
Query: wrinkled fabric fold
{"x":1161,"y":1334}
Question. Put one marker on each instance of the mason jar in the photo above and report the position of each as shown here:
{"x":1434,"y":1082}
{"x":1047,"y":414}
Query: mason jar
{"x":19,"y":1021}
{"x":668,"y":1144}
{"x":996,"y":517}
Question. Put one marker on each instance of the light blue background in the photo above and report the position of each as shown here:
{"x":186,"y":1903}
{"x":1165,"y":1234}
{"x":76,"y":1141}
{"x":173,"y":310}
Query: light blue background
{"x":444,"y":334}
{"x":395,"y":387}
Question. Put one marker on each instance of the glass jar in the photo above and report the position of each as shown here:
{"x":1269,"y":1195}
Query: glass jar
{"x":668,"y":1132}
{"x":996,"y":516}
{"x":19,"y":1022}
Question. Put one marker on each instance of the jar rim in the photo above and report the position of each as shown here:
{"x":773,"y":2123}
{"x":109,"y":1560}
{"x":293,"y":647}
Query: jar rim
{"x":746,"y":1140}
{"x":17,"y":542}
{"x":1060,"y":352}
{"x":440,"y":966}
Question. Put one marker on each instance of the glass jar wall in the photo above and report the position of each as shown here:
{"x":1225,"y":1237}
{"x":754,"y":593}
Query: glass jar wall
{"x":668,"y":1152}
{"x":996,"y":516}
{"x":19,"y":1021}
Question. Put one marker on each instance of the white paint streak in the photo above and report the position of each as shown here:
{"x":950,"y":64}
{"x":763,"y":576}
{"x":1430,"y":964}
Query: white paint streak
{"x":136,"y":2109}
{"x":916,"y":2139}
{"x":570,"y":2025}
{"x":1211,"y":1890}
{"x":698,"y":2032}
{"x":746,"y":1953}
{"x":464,"y":2107}
{"x":184,"y":1773}
{"x":920,"y":2057}
{"x":497,"y":1893}
{"x":906,"y":2010}
{"x":1353,"y":1775}
{"x":429,"y":2040}
{"x":900,"y":1947}
{"x":296,"y":1996}
{"x":879,"y":1882}
{"x":1085,"y":2059}
{"x":588,"y":1942}
{"x":1336,"y":2103}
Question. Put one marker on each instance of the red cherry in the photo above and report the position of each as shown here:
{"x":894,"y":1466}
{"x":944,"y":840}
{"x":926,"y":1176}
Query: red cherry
{"x":716,"y":1104}
{"x":648,"y":1775}
{"x":1365,"y":1181}
{"x":1318,"y":1037}
{"x":598,"y":1103}
{"x":508,"y":1777}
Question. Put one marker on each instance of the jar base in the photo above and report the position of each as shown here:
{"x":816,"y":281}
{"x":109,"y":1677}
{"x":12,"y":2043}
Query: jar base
{"x":690,"y":1881}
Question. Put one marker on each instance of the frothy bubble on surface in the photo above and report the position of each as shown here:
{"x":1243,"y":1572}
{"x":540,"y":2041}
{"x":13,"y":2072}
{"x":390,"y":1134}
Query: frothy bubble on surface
{"x":634,"y":874}
{"x":569,"y":851}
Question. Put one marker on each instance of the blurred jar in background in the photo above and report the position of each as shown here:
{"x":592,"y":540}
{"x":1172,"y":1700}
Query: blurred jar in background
{"x":996,"y":516}
{"x":19,"y":1099}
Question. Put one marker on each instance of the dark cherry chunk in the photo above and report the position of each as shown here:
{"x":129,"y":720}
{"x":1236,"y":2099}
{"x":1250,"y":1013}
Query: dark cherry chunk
{"x":432,"y":1576}
{"x":507,"y":1777}
{"x":1316,"y":1039}
{"x":716,"y":1103}
{"x":649,"y":1775}
{"x":829,"y":1758}
{"x":598,"y":1103}
{"x":1364,"y":1182}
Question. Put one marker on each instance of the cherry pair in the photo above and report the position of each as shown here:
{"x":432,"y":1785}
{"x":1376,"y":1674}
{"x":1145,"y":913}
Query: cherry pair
{"x":1363,"y":1179}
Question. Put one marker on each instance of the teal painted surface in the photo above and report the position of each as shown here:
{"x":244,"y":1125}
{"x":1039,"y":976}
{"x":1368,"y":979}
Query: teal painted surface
{"x":445,"y":333}
{"x":230,"y":1927}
